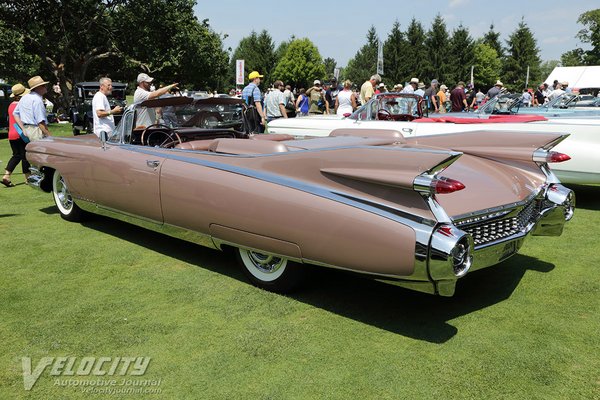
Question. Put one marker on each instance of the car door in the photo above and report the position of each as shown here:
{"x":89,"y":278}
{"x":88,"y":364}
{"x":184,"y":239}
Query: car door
{"x":127,"y":180}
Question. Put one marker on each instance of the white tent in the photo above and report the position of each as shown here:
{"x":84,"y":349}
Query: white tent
{"x":578,"y":77}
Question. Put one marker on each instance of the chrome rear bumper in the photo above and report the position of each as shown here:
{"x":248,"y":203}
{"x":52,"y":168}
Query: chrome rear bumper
{"x":35,"y":179}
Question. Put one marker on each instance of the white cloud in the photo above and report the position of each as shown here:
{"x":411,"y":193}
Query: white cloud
{"x":457,"y":3}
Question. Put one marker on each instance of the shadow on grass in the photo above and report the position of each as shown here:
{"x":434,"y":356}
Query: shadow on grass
{"x":383,"y":305}
{"x":49,"y":210}
{"x":8,"y":215}
{"x":587,"y":196}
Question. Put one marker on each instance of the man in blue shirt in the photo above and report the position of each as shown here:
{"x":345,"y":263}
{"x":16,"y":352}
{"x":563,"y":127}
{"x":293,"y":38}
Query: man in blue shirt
{"x":30,"y":113}
{"x":252,"y":97}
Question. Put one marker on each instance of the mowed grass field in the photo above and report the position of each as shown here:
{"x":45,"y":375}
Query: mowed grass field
{"x":528,"y":328}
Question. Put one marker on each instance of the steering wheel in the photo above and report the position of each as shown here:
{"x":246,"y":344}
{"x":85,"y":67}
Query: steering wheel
{"x":384,"y":114}
{"x":167,"y":138}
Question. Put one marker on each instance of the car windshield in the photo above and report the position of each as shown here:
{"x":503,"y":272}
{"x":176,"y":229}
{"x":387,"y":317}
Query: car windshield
{"x":502,"y":104}
{"x":571,"y":100}
{"x":185,"y":112}
{"x":390,"y":104}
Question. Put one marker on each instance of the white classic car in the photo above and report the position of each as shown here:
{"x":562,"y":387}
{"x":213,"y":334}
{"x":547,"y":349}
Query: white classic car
{"x":403,"y":113}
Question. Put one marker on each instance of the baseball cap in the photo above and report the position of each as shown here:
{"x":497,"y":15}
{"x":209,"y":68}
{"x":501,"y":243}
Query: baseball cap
{"x":434,"y":81}
{"x":254,"y":74}
{"x":144,"y":78}
{"x":317,"y":82}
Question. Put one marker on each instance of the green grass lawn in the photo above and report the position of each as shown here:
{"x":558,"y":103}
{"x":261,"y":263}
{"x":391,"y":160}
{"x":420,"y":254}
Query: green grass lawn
{"x":525,"y":329}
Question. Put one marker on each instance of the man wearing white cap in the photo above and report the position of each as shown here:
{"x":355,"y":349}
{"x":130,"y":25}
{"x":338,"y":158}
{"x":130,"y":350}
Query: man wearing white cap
{"x":316,"y":98}
{"x":147,"y":117}
{"x":30,"y":113}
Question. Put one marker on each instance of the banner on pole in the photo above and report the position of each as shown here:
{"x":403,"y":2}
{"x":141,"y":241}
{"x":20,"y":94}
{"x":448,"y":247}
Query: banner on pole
{"x":380,"y":58}
{"x":239,"y":72}
{"x":336,"y":73}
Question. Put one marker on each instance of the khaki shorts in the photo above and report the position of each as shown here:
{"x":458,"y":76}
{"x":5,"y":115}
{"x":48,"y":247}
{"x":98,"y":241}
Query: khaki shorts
{"x":33,"y":132}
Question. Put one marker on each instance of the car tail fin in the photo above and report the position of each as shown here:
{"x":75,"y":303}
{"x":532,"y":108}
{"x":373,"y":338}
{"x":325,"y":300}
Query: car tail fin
{"x":499,"y":145}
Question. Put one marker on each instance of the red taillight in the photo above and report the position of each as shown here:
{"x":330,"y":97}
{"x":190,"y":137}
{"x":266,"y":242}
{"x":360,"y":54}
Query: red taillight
{"x":446,"y":185}
{"x":556,"y":157}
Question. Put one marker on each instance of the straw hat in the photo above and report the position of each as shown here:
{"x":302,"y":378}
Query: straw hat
{"x":19,"y":90}
{"x":35,"y":82}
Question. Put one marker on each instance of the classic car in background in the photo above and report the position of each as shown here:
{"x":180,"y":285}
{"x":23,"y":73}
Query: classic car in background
{"x":81,"y":109}
{"x":5,"y":100}
{"x":403,"y":113}
{"x":568,"y":105}
{"x":420,"y":215}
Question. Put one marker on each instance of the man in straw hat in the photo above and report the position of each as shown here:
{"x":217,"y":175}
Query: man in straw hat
{"x":16,"y":143}
{"x":30,"y":113}
{"x":494,"y":91}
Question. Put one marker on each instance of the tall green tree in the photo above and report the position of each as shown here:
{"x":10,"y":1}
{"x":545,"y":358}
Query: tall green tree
{"x":461,"y":55}
{"x":300,"y":64}
{"x":492,"y":39}
{"x":78,"y":40}
{"x":16,"y":64}
{"x":417,"y":55}
{"x":281,"y":49}
{"x":394,"y":56}
{"x":364,"y":64}
{"x":488,"y":65}
{"x":590,"y":34}
{"x":522,"y":52}
{"x":437,"y":45}
{"x":258,"y":53}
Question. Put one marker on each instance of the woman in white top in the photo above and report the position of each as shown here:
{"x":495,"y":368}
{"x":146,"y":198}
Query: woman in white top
{"x":345,"y":102}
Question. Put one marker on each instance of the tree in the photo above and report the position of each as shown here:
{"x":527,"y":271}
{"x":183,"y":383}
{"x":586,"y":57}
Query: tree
{"x":16,"y":65}
{"x":300,"y":64}
{"x":417,"y":55}
{"x":258,"y":53}
{"x":364,"y":64}
{"x":487,"y":65}
{"x":461,"y":55}
{"x":573,"y":58}
{"x":492,"y":39}
{"x":116,"y":38}
{"x":590,"y":34}
{"x":394,"y":56}
{"x":547,"y":67}
{"x":281,"y":49}
{"x":437,"y":44}
{"x":522,"y":52}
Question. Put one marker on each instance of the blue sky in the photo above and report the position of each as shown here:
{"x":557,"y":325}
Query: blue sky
{"x":339,"y":29}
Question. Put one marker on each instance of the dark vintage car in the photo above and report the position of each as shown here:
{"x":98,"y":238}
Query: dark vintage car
{"x":81,"y":109}
{"x":418,"y":212}
{"x":5,"y":100}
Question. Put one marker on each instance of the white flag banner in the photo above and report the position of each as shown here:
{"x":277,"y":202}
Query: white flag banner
{"x":336,"y":73}
{"x":239,"y":72}
{"x":380,"y":58}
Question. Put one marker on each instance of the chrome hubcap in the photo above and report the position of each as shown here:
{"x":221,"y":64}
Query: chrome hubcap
{"x":63,"y":195}
{"x":265,"y":262}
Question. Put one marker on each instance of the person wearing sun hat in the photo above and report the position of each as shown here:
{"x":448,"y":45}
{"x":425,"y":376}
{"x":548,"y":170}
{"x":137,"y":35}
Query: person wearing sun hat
{"x":16,"y":143}
{"x":30,"y":113}
{"x":252,"y":97}
{"x":147,"y":116}
{"x":494,"y":91}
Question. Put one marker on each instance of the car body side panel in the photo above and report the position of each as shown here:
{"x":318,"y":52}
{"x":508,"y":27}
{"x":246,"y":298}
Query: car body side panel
{"x":325,"y":231}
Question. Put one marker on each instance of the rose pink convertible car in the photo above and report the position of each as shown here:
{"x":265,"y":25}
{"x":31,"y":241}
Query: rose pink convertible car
{"x":421,"y":212}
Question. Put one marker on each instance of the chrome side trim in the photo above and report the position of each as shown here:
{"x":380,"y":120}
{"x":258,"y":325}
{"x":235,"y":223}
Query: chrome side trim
{"x":146,"y":223}
{"x":317,"y":190}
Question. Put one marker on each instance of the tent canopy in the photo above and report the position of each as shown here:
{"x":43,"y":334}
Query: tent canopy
{"x":578,"y":77}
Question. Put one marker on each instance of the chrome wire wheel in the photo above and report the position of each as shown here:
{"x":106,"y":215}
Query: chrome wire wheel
{"x":63,"y":199}
{"x":265,"y":267}
{"x":62,"y":196}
